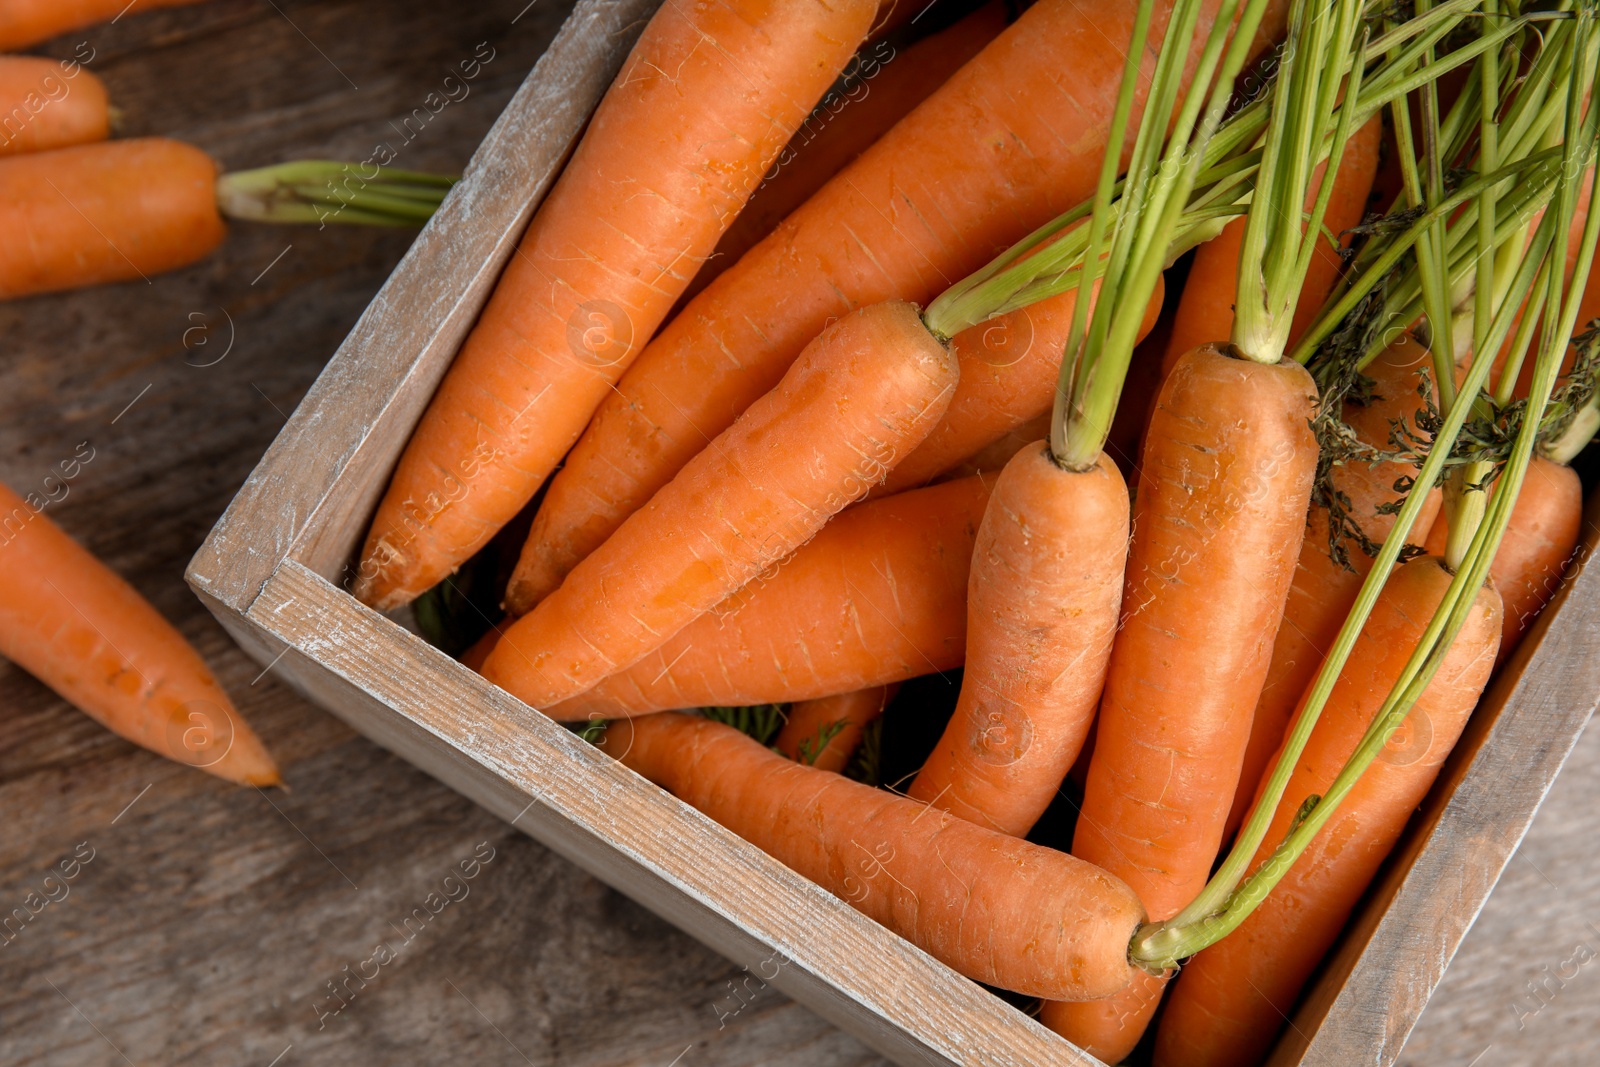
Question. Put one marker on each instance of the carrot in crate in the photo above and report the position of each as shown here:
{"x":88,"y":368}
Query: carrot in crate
{"x":824,"y":732}
{"x":678,"y":144}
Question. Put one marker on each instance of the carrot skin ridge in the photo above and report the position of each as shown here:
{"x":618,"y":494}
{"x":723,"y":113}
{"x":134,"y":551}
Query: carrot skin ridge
{"x":878,"y":596}
{"x":677,"y":145}
{"x":878,"y":230}
{"x":865,"y":393}
{"x":71,"y":622}
{"x":1042,"y":609}
{"x":1230,"y":1000}
{"x":995,"y":908}
{"x":109,"y":212}
{"x":1218,"y":521}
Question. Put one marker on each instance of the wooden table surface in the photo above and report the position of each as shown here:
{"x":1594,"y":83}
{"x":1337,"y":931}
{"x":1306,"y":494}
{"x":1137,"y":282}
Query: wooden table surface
{"x":211,"y":921}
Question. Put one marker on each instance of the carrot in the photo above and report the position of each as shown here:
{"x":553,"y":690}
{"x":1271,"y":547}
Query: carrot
{"x":864,"y":393}
{"x":1042,"y":604}
{"x":997,"y":453}
{"x":48,"y":104}
{"x":1324,"y":588}
{"x":1206,"y":310}
{"x":69,"y":621}
{"x":1009,"y":367}
{"x":1546,"y":523}
{"x":24,"y":23}
{"x":1231,"y":1000}
{"x":878,"y":596}
{"x":676,"y":147}
{"x":1006,"y":144}
{"x":824,"y":732}
{"x":997,"y":909}
{"x":889,"y":83}
{"x":104,"y":213}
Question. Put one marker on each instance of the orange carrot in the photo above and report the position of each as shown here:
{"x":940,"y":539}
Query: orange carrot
{"x":1009,"y":367}
{"x":824,"y":733}
{"x":69,"y":621}
{"x":1009,"y":142}
{"x":864,"y":393}
{"x":997,"y":909}
{"x":878,"y":596}
{"x":678,"y":144}
{"x":1231,"y":999}
{"x":104,"y":213}
{"x":48,"y":104}
{"x":24,"y":23}
{"x":1324,"y":590}
{"x":1545,"y":526}
{"x":890,"y":82}
{"x":1206,"y":310}
{"x":1223,"y":490}
{"x":1042,"y":604}
{"x":997,"y":453}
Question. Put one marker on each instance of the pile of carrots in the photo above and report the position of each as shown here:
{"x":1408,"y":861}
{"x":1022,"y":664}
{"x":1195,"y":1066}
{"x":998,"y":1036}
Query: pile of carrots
{"x":799,"y":402}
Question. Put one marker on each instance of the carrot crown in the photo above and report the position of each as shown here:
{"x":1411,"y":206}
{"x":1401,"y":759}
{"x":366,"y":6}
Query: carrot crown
{"x":324,"y":191}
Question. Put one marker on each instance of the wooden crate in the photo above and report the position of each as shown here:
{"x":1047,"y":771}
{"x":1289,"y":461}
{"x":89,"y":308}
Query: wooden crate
{"x":273,"y":569}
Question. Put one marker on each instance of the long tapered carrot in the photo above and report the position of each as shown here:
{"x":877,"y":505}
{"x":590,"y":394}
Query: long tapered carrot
{"x":1219,"y":516}
{"x":27,"y":22}
{"x":865,"y":393}
{"x":889,"y":82}
{"x":1545,"y":526}
{"x":45,"y":103}
{"x":1010,"y":141}
{"x":1231,"y":1000}
{"x":824,"y":732}
{"x":1324,"y":589}
{"x":69,"y":621}
{"x":103,"y":213}
{"x":1042,"y":606}
{"x":1008,"y":377}
{"x":704,"y":102}
{"x":997,"y":909}
{"x":878,"y":596}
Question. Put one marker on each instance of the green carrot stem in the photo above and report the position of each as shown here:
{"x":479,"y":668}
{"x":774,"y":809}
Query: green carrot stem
{"x":323,"y":191}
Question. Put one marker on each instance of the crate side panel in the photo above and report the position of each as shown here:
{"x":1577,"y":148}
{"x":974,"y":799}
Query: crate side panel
{"x":322,"y":476}
{"x":635,"y":837}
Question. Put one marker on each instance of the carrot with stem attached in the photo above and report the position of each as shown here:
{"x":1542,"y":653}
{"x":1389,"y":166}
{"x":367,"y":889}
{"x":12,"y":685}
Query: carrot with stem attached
{"x":997,"y":909}
{"x":47,"y":103}
{"x":1002,"y":146}
{"x":879,"y":596}
{"x":864,"y":393}
{"x":707,"y":98}
{"x":125,"y":210}
{"x":824,"y":732}
{"x":24,"y":23}
{"x":72,"y":623}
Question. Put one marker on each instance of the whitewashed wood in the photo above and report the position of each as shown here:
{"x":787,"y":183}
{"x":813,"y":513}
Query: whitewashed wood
{"x":1373,"y":990}
{"x":431,"y":710}
{"x":266,"y":570}
{"x":325,"y":472}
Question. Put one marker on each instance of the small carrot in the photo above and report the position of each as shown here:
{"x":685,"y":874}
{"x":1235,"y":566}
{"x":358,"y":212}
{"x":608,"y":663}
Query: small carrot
{"x":1325,"y":588}
{"x":1009,"y":367}
{"x":878,"y":596}
{"x":864,"y":393}
{"x":888,"y":83}
{"x":1231,"y":1000}
{"x":24,"y":23}
{"x":1546,"y":523}
{"x":676,"y":147}
{"x":1006,"y":144}
{"x":995,"y":908}
{"x":69,"y":621}
{"x":124,"y":210}
{"x":824,"y":732}
{"x":103,"y":213}
{"x":45,"y":103}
